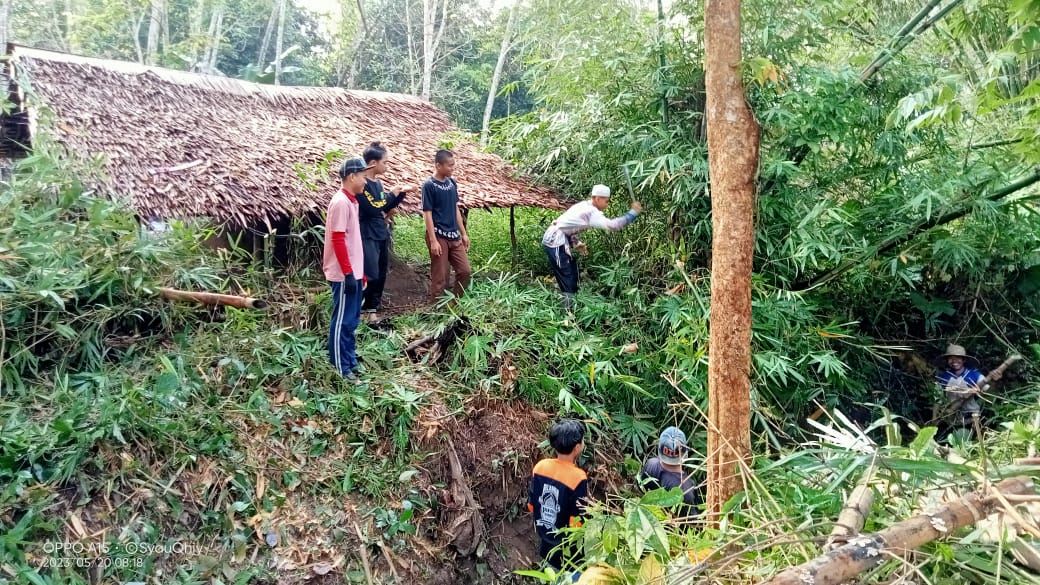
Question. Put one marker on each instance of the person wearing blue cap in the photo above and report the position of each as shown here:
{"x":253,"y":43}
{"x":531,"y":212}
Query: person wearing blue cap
{"x":665,"y":470}
{"x":343,"y":263}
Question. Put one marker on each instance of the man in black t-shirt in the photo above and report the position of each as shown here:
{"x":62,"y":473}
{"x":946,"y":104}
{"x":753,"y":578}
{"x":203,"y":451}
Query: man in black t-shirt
{"x":446,"y":235}
{"x":665,"y":470}
{"x":373,"y":203}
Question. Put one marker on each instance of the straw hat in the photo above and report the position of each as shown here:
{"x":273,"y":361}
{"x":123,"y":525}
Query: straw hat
{"x":954,"y":350}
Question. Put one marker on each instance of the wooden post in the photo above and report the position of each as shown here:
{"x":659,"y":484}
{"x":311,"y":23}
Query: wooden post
{"x":512,"y":235}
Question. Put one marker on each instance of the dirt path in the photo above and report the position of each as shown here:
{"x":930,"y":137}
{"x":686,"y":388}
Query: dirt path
{"x":407,"y":287}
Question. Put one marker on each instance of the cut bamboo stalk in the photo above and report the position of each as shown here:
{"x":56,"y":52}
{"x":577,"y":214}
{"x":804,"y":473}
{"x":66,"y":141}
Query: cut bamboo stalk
{"x":868,"y":551}
{"x":854,"y":514}
{"x":208,"y":298}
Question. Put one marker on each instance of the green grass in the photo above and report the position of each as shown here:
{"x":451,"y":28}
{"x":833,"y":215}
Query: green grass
{"x":489,"y":239}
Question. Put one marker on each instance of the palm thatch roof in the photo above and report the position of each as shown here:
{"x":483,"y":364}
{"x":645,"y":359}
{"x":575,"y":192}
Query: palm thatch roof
{"x":179,"y":144}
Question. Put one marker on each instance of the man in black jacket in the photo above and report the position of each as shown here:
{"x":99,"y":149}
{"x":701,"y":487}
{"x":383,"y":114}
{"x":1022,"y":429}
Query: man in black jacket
{"x":373,"y":204}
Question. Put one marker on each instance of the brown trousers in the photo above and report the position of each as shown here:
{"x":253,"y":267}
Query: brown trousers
{"x":453,"y":255}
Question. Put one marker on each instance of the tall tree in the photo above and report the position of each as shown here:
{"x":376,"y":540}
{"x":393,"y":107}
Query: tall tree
{"x":155,"y":22}
{"x":278,"y":42}
{"x":432,"y":34}
{"x":412,"y":77}
{"x":5,"y":21}
{"x":216,"y":32}
{"x":503,"y":52}
{"x":195,"y":36}
{"x":266,"y":43}
{"x":732,"y":160}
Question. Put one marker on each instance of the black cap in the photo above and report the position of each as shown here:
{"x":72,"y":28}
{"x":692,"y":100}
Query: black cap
{"x":351,"y":166}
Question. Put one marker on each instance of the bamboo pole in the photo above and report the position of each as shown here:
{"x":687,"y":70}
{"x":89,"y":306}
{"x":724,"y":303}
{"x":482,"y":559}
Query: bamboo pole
{"x":208,"y":298}
{"x":854,"y":515}
{"x":869,"y":551}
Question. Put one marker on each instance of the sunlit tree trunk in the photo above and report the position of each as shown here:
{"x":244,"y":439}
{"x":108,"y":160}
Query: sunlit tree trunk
{"x":431,"y":40}
{"x":154,"y":28}
{"x":357,"y":51}
{"x":412,"y":77}
{"x":67,"y":27}
{"x":503,"y":52}
{"x":165,"y":27}
{"x":266,"y":43}
{"x":278,"y":42}
{"x":732,"y":160}
{"x":136,"y":33}
{"x":5,"y":27}
{"x":216,"y":24}
{"x":198,"y":13}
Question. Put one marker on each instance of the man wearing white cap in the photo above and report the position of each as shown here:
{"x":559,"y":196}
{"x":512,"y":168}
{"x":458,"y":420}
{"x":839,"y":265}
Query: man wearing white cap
{"x":561,"y":239}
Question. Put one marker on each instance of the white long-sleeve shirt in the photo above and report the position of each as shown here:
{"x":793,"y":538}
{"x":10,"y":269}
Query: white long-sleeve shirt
{"x":580,"y":217}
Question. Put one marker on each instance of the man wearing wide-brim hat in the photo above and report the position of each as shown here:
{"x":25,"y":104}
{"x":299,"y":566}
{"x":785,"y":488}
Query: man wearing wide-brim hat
{"x":961,"y":384}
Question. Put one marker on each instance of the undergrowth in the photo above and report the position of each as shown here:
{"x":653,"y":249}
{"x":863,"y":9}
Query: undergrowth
{"x":132,"y":424}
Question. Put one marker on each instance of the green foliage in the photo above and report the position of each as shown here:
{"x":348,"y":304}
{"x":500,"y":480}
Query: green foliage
{"x":78,"y":270}
{"x":888,"y":178}
{"x":106,"y":389}
{"x":491,"y":247}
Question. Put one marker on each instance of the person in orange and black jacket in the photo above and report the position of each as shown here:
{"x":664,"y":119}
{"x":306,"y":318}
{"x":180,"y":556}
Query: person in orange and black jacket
{"x":373,"y":204}
{"x":558,"y":492}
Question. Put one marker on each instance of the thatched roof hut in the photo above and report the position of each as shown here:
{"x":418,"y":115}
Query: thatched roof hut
{"x":180,"y":144}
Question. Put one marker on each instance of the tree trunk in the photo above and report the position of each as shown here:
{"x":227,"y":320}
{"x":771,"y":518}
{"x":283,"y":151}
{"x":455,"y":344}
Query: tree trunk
{"x":154,"y":26}
{"x":137,"y":38}
{"x":198,"y":13}
{"x":431,"y":40}
{"x":361,"y":15}
{"x":278,"y":42}
{"x":165,"y":28}
{"x":67,"y":28}
{"x":866,"y":552}
{"x":503,"y":51}
{"x":216,"y":32}
{"x":266,"y":43}
{"x":357,"y":52}
{"x":355,"y":61}
{"x":732,"y":162}
{"x":412,"y":73}
{"x":5,"y":27}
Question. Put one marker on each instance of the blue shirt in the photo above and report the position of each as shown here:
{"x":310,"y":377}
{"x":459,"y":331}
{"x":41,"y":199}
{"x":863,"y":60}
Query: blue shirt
{"x":954,"y":386}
